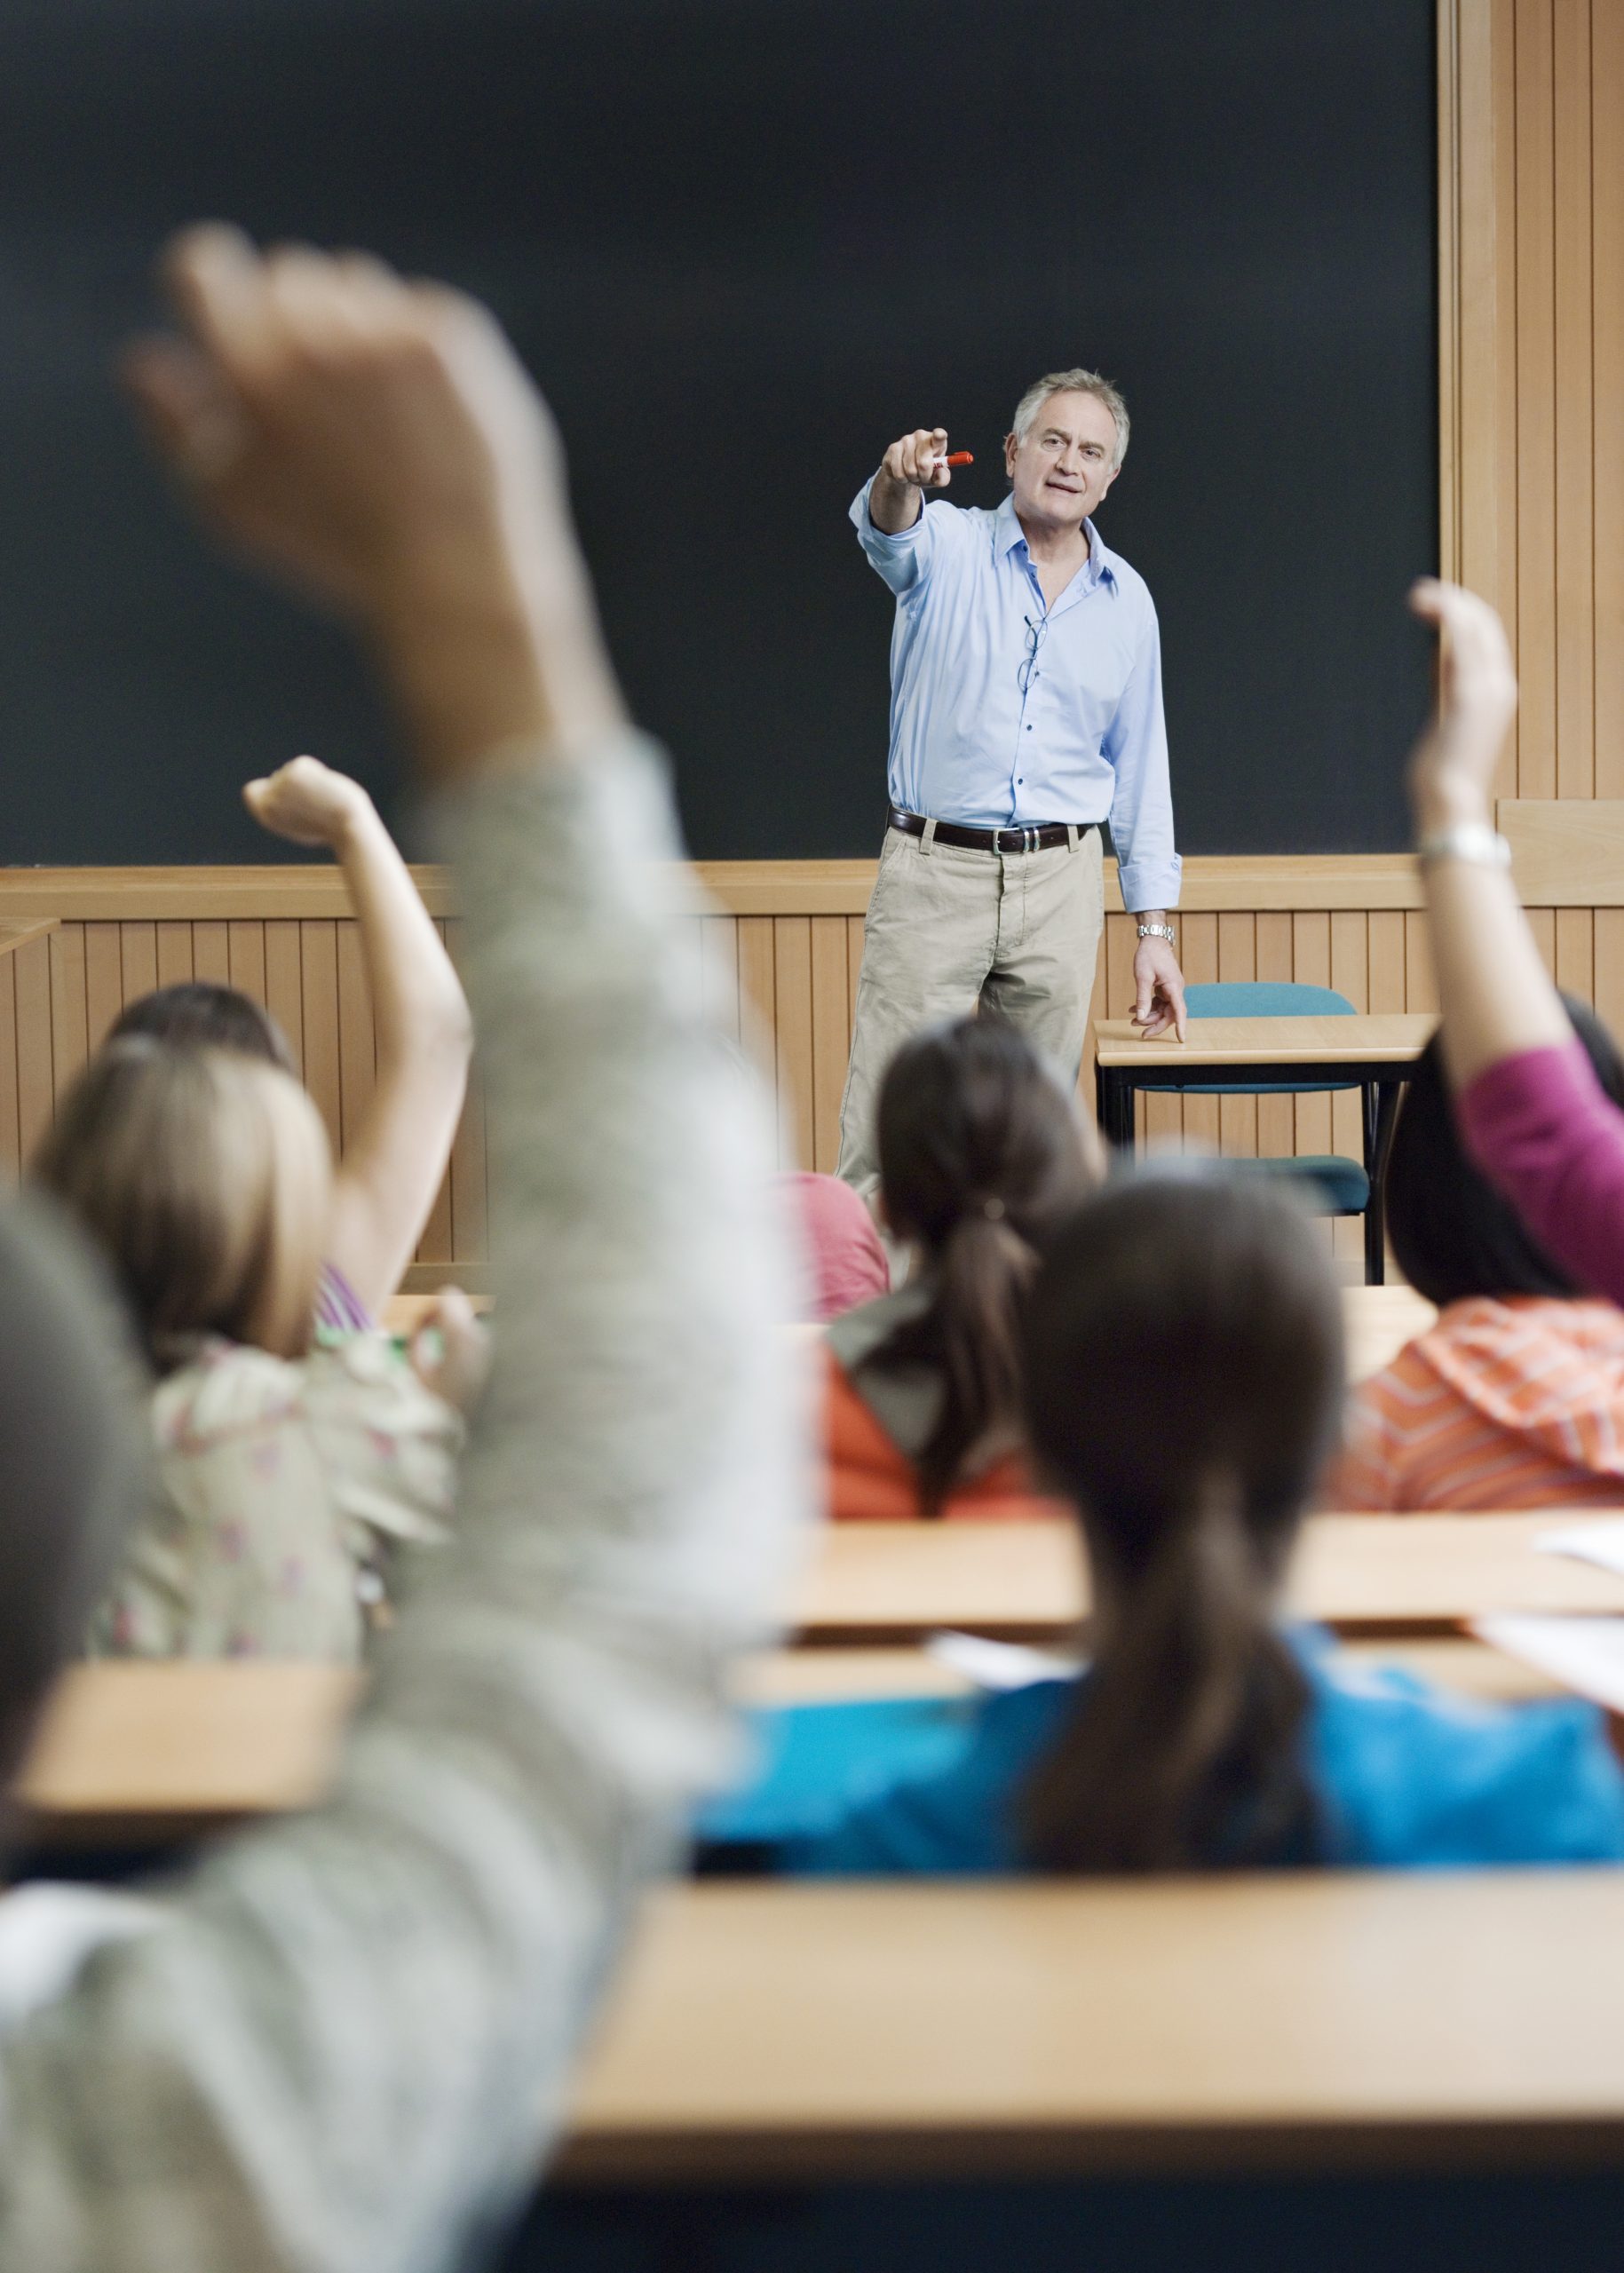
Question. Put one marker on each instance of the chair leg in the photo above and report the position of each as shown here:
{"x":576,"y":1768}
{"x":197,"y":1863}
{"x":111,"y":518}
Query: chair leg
{"x":1375,"y":1227}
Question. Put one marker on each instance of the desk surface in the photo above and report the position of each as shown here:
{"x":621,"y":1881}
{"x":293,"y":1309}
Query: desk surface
{"x":1274,"y":1041}
{"x":1314,"y":2020}
{"x":1363,"y":1574}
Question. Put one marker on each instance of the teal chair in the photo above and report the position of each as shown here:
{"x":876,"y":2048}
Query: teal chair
{"x":1333,"y":1184}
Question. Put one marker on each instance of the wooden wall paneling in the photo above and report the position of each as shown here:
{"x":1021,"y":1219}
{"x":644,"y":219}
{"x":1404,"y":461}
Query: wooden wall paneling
{"x":175,"y":966}
{"x":1607,"y":384}
{"x":319,"y":995}
{"x":1499,"y":551}
{"x":831,"y":1036}
{"x":137,"y":948}
{"x":11,"y":1150}
{"x":104,"y":981}
{"x":756,"y":1012}
{"x":1420,"y":980}
{"x":211,"y":953}
{"x":284,"y":990}
{"x":35,"y":1089}
{"x":1238,"y":960}
{"x":245,"y":957}
{"x":1536,"y":407}
{"x":719,"y":957}
{"x":1276,"y":1116}
{"x":436,"y":1244}
{"x":793,"y":1032}
{"x":1574,"y":497}
{"x":854,"y":961}
{"x":1576,"y":952}
{"x":1609,"y":966}
{"x":1310,"y":966}
{"x":1201,"y":1126}
{"x":1542,"y":924}
{"x":1386,"y":960}
{"x":69,"y":1025}
{"x":357,"y":1041}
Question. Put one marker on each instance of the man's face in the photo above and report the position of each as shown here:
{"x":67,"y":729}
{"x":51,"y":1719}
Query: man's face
{"x":1065,"y":466}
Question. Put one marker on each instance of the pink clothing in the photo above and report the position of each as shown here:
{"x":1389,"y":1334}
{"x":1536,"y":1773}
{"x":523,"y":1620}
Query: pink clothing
{"x":845,"y":1262}
{"x":1542,"y":1130}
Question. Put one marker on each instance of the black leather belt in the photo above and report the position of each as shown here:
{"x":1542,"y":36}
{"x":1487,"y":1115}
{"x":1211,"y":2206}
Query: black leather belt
{"x":1042,"y":839}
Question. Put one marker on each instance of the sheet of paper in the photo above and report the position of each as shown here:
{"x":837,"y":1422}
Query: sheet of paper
{"x":999,"y":1665}
{"x":1584,"y":1654}
{"x":1599,"y":1543}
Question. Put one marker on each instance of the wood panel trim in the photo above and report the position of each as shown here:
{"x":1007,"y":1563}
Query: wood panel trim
{"x":1244,"y":881}
{"x":1567,"y":851}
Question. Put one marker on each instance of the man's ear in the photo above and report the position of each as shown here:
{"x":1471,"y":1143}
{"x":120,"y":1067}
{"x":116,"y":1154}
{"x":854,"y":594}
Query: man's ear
{"x":1010,"y":444}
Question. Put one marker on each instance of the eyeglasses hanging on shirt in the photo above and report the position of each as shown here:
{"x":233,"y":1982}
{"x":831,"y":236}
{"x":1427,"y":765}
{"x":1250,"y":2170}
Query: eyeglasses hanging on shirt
{"x":1037,"y":631}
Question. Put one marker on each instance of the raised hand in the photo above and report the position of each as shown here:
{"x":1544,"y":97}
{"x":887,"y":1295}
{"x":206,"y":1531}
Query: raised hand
{"x":1452,"y":771}
{"x":378,"y":443}
{"x":919,"y":459}
{"x":307,"y":803}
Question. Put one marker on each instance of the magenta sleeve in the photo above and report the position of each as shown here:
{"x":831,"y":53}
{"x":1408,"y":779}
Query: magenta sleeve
{"x":1542,"y":1130}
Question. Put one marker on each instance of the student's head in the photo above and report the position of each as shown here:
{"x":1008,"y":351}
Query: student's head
{"x":1184,"y":1367}
{"x":206,"y":1015}
{"x":72,"y":1465}
{"x":1451,"y":1232}
{"x":982,"y":1154}
{"x":205,"y":1176}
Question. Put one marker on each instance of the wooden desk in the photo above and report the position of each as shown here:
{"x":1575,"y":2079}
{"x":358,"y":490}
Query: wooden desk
{"x":1314,"y":2020}
{"x":138,"y":1754}
{"x":1370,"y":1053}
{"x":1365,"y":1575}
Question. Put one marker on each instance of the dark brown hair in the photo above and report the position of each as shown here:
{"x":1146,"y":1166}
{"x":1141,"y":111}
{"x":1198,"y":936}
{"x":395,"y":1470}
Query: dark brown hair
{"x":1184,"y":1372}
{"x":1451,"y":1232}
{"x":204,"y":1015}
{"x":982,"y":1154}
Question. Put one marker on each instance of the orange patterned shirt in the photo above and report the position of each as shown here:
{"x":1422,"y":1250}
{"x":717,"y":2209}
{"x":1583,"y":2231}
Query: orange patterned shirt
{"x":1505,"y":1403}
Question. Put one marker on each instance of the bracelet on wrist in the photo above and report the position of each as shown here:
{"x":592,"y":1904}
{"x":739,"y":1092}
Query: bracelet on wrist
{"x":1475,"y":842}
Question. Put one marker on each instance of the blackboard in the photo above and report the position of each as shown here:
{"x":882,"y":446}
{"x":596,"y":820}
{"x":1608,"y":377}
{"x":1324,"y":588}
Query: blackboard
{"x":742,"y":246}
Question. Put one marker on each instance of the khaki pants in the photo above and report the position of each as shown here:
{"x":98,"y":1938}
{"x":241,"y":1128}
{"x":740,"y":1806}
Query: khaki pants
{"x":948,"y":929}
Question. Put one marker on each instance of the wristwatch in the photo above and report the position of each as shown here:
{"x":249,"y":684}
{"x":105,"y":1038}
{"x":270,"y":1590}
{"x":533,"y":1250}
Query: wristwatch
{"x":1159,"y":931}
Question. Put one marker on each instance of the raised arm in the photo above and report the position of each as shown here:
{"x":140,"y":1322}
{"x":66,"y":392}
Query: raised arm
{"x":394,"y":1162}
{"x":1530,"y":1109}
{"x":346,"y":2047}
{"x":915,"y":463}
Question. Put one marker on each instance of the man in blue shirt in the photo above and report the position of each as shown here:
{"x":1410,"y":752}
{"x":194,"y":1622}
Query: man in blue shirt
{"x":1026,"y":709}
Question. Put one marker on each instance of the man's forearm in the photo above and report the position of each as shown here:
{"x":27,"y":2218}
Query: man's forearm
{"x":894,"y":506}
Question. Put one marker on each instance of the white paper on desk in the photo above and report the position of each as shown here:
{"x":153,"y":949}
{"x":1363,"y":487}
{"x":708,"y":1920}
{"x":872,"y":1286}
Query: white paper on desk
{"x":999,"y":1665}
{"x":1599,"y":1543}
{"x":1584,"y":1654}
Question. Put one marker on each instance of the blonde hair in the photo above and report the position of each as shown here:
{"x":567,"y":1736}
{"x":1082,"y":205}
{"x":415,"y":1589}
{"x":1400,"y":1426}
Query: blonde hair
{"x":1074,"y":382}
{"x":206,"y":1176}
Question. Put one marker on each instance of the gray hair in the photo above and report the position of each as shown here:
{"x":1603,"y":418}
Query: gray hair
{"x":1077,"y":382}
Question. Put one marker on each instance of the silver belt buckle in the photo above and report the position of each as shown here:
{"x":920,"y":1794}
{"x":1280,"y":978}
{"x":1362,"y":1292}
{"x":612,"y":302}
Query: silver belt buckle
{"x":1029,"y":840}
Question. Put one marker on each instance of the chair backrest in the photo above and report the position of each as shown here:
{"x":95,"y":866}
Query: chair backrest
{"x":1265,"y":998}
{"x":1262,"y":998}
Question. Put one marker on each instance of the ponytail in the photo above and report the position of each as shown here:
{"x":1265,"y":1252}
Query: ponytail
{"x":970,"y":1336}
{"x":1184,"y":1745}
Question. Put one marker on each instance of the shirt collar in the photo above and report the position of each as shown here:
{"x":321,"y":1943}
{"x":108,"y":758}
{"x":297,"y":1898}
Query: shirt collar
{"x":1007,"y":534}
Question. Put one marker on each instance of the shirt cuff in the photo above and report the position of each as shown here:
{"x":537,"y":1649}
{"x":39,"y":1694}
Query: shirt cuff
{"x":892,"y":540}
{"x":1150,"y":883}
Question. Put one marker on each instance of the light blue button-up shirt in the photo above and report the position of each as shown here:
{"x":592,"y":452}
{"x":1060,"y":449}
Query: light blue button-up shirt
{"x":978,"y":739}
